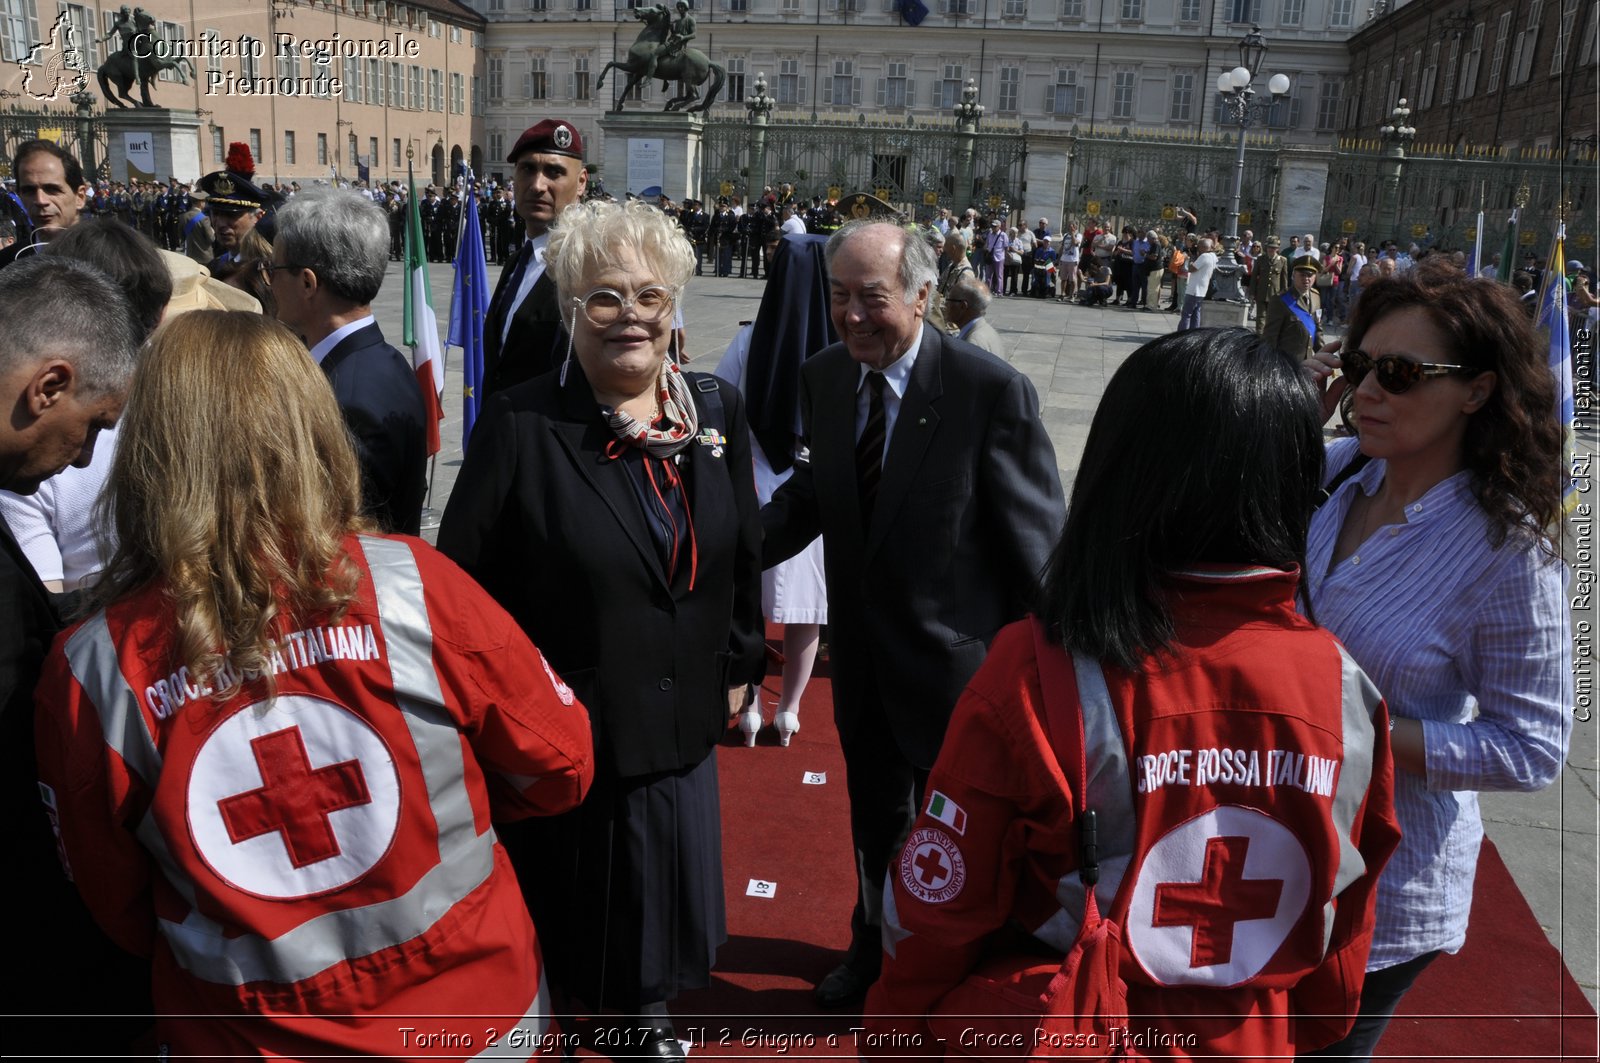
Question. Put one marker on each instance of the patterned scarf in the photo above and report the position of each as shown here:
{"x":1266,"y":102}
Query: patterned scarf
{"x":681,"y":421}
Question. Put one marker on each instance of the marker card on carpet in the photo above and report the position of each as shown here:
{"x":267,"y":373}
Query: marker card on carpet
{"x":815,"y":778}
{"x":760,"y":888}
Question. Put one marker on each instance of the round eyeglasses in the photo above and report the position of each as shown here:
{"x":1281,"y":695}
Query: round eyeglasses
{"x":650,"y":304}
{"x":1396,"y":375}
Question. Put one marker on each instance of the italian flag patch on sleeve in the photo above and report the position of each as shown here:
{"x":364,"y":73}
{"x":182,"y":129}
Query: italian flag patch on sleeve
{"x":947,"y":812}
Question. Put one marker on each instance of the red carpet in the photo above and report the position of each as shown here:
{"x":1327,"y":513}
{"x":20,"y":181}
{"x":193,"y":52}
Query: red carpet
{"x":1501,"y":998}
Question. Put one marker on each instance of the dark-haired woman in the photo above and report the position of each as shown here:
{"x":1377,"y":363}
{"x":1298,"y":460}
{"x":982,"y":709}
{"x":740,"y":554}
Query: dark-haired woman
{"x":1433,"y":565}
{"x":1238,"y":760}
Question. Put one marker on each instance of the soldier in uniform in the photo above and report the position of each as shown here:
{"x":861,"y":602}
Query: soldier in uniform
{"x":1268,"y":280}
{"x":449,"y":224}
{"x":1294,"y":318}
{"x":395,"y":206}
{"x":721,"y":234}
{"x":234,"y":207}
{"x":697,"y":223}
{"x":198,"y":238}
{"x":432,"y":235}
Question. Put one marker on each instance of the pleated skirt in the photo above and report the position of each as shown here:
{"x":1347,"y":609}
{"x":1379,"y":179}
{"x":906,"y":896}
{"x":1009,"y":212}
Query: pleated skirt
{"x":626,"y":890}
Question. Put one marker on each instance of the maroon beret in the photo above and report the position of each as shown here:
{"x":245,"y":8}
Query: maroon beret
{"x":550,"y":137}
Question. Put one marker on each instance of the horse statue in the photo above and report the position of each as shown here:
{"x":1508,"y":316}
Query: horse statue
{"x":651,"y":56}
{"x":121,"y":69}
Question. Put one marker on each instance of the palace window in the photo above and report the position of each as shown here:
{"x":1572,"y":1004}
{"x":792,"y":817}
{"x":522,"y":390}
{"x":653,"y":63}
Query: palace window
{"x":1010,"y":89}
{"x":1182,"y":96}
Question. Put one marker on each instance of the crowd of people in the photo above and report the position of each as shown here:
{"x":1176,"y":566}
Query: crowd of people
{"x":275,"y":761}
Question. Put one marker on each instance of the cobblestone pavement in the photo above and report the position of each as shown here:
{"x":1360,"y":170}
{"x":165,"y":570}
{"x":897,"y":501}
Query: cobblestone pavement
{"x":1548,"y":839}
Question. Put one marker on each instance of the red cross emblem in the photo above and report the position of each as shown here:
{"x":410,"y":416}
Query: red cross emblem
{"x":931,"y":866}
{"x":294,"y":799}
{"x":1221,"y":898}
{"x":1216,"y":897}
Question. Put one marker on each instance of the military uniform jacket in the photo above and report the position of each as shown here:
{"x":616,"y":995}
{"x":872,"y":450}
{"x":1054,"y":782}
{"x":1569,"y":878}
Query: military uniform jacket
{"x":1269,"y":279}
{"x":1286,"y":331}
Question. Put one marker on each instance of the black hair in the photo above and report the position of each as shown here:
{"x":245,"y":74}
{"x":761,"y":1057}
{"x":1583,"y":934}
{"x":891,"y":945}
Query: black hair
{"x":1206,"y":448}
{"x":128,"y":257}
{"x":71,"y":169}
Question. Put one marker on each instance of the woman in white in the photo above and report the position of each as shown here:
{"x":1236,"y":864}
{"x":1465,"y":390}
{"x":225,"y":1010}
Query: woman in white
{"x":763,"y":362}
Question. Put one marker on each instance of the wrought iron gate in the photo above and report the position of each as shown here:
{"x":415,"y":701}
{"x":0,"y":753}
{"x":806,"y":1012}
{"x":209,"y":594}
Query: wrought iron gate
{"x":914,"y":167}
{"x":1439,"y":195}
{"x":1138,"y":180}
{"x":82,"y":134}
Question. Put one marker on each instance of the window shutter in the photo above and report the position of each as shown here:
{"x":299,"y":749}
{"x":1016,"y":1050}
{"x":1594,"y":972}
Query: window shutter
{"x":911,"y":93}
{"x":855,"y":87}
{"x":800,"y":90}
{"x":883,"y":87}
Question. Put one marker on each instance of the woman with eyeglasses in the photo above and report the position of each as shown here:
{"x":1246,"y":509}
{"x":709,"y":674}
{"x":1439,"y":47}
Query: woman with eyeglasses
{"x":610,"y":506}
{"x":1433,"y":562}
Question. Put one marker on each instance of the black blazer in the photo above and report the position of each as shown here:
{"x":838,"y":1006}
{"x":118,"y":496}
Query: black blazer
{"x":968,"y":510}
{"x":63,"y":945}
{"x":537,"y":341}
{"x":553,"y":529}
{"x":382,"y":404}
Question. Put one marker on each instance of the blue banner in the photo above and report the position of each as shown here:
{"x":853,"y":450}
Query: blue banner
{"x":469,"y":306}
{"x":913,"y":11}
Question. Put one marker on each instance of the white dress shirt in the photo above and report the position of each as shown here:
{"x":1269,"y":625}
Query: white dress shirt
{"x":331,"y":340}
{"x":896,"y":378}
{"x":530,"y":277}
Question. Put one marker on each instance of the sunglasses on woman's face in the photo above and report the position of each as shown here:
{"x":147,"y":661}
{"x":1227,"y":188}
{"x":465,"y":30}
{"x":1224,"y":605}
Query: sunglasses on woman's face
{"x":1396,"y":375}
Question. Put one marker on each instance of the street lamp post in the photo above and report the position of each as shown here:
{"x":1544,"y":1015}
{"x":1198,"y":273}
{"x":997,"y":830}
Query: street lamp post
{"x":1238,"y":98}
{"x":968,"y":113}
{"x":1396,"y":135}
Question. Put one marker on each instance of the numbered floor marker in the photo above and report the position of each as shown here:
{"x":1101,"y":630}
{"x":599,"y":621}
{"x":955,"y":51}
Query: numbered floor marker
{"x":761,"y":888}
{"x":815,"y":778}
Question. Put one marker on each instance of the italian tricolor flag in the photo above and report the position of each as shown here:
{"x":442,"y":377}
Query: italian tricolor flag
{"x":947,"y":812}
{"x":421,"y":329}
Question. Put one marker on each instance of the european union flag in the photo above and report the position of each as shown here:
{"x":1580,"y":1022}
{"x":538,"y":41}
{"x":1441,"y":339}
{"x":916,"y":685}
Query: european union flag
{"x":913,"y":11}
{"x":469,"y":306}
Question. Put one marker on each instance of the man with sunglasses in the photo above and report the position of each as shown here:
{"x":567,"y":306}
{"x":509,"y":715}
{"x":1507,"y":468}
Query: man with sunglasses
{"x":1294,"y":318}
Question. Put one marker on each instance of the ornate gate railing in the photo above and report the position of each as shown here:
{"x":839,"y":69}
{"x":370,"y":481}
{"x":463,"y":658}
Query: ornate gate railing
{"x":1139,"y":180}
{"x":64,"y":125}
{"x":913,"y":167}
{"x":1439,"y":194}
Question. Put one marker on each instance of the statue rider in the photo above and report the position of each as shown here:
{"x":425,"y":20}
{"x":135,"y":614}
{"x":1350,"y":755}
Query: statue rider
{"x":682,"y":32}
{"x":123,"y":26}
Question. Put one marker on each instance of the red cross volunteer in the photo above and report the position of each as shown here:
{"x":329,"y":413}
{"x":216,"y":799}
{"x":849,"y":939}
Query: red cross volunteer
{"x":312,"y":867}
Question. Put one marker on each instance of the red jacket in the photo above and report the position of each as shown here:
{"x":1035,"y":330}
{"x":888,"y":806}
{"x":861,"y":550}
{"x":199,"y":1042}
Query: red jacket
{"x":1255,"y":814}
{"x":316,"y":869}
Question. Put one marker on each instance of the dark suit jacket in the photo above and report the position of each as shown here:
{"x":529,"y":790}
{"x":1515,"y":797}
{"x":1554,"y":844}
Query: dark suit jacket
{"x":71,"y":966}
{"x":382,"y":404}
{"x":537,"y":341}
{"x":968,"y":510}
{"x":553,"y":529}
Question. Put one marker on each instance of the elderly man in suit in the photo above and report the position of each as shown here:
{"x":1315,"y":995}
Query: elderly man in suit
{"x":1294,"y":317}
{"x":327,"y":266}
{"x":523,"y":336}
{"x":964,"y":309}
{"x":934,"y":487}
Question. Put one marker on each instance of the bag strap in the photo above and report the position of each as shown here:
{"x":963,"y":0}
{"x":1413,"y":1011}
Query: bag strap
{"x":1355,"y":466}
{"x":1067,"y":743}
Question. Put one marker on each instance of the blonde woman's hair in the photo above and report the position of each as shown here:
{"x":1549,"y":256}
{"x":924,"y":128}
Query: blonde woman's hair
{"x":233,"y":485}
{"x":587,"y":236}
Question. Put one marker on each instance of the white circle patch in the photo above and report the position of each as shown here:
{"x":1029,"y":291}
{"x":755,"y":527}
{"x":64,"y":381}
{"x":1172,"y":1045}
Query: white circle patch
{"x":1216,"y":897}
{"x":563,"y":691}
{"x":293,"y":798}
{"x":931,"y":867}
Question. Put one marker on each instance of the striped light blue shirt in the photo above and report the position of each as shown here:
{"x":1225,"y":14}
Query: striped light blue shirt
{"x":1472,"y":641}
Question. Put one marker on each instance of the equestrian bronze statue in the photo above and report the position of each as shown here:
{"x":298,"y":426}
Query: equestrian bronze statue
{"x":661,"y":52}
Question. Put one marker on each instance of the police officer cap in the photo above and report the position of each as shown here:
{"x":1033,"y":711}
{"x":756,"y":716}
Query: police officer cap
{"x":865,"y":205}
{"x":1273,"y":241}
{"x":1306,"y":264}
{"x":550,"y":137}
{"x":229,"y":193}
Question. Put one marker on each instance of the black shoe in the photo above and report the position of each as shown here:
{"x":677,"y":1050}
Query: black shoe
{"x":843,"y":987}
{"x":661,"y":1042}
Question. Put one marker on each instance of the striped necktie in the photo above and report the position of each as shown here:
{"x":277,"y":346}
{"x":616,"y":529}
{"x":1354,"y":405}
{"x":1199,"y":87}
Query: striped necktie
{"x":869,"y":448}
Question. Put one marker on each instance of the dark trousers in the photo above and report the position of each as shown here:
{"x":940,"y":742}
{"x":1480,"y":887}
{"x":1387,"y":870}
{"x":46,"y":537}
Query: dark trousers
{"x":1380,"y":995}
{"x":885,"y":791}
{"x":1138,"y":293}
